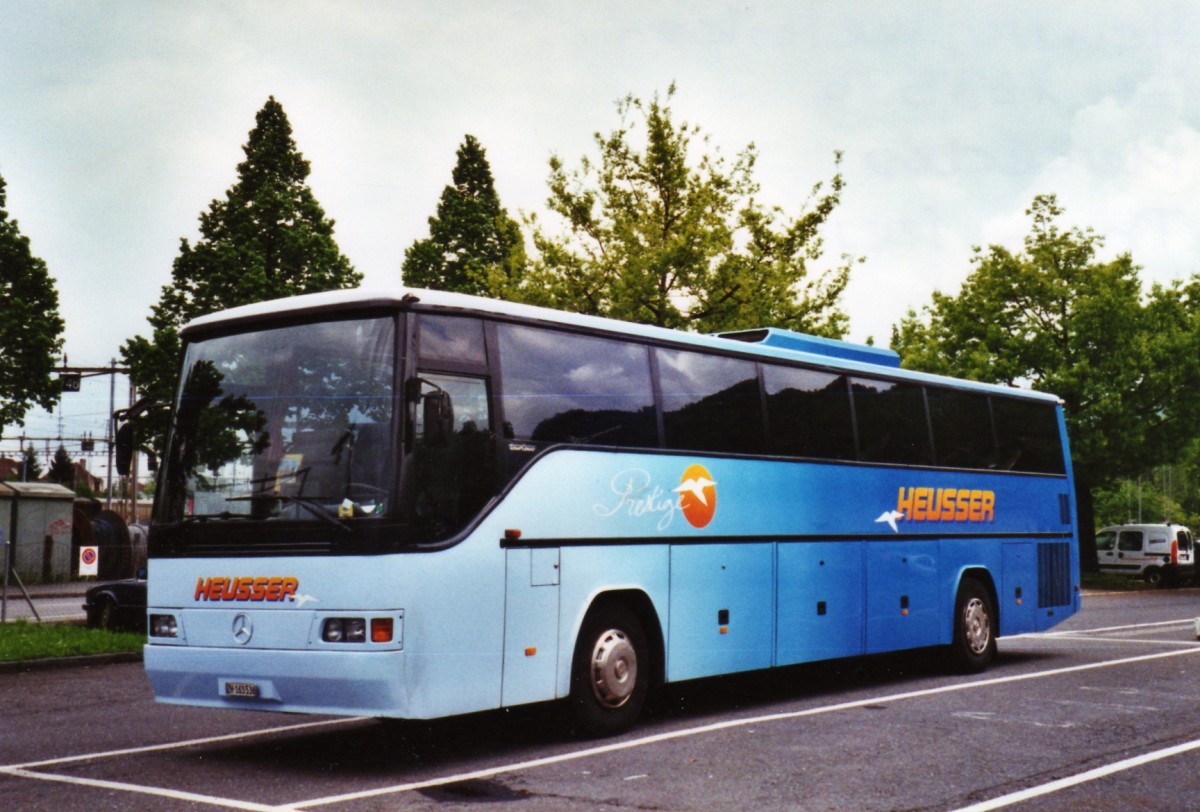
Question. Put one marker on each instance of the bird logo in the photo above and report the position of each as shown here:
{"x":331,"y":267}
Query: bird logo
{"x":697,"y":495}
{"x":891,"y":517}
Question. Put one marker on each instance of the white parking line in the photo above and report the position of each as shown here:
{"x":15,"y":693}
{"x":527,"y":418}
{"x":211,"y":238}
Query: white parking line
{"x":1125,"y":628}
{"x":1081,"y":778}
{"x":156,"y":748}
{"x":1143,"y":641}
{"x":27,"y":770}
{"x":174,"y":795}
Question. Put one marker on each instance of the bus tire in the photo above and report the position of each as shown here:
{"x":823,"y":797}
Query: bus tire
{"x":610,"y":675}
{"x":974,"y":644}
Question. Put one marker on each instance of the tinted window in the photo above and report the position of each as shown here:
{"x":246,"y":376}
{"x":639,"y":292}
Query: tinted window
{"x":710,"y":403}
{"x":808,"y":413}
{"x":962,"y":428}
{"x":1027,"y":436}
{"x":456,"y":340}
{"x":452,"y":471}
{"x":563,"y":388}
{"x":891,"y":422}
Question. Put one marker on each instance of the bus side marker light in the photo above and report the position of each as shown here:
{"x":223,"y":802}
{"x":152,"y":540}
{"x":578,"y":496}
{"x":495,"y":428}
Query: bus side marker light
{"x":381,"y":630}
{"x":532,"y":650}
{"x":512,"y":534}
{"x":904,"y":605}
{"x":724,"y":630}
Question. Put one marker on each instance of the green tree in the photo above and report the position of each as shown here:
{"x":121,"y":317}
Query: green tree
{"x":31,"y":468}
{"x":655,"y":233}
{"x":269,"y":238}
{"x":473,"y":245}
{"x":1056,"y":319}
{"x":62,"y":468}
{"x":30,"y":326}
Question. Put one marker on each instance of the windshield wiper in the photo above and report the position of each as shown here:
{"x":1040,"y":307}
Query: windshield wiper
{"x":311,"y":505}
{"x":317,"y":509}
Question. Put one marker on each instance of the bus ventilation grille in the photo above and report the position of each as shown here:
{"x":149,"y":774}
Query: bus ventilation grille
{"x":1054,"y":575}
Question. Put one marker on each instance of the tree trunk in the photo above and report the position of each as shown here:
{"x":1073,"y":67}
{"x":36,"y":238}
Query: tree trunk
{"x":1086,"y":523}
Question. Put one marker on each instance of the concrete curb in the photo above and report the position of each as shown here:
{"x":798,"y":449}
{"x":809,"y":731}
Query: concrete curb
{"x":51,"y":663}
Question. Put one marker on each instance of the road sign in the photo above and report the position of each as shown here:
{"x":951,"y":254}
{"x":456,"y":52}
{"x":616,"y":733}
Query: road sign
{"x":89,"y":561}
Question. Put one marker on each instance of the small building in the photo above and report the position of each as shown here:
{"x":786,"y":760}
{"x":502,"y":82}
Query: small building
{"x":36,"y":518}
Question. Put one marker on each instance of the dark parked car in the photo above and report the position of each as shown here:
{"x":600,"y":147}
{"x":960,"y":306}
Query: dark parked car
{"x":117,"y":605}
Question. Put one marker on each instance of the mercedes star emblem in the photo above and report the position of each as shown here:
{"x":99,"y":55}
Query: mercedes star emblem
{"x":243,"y":628}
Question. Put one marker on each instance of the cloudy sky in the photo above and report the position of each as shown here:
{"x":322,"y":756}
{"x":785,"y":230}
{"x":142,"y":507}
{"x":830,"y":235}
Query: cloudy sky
{"x":121,"y":121}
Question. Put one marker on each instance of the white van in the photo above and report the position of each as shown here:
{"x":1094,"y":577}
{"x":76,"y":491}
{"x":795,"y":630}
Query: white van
{"x":1160,"y":553}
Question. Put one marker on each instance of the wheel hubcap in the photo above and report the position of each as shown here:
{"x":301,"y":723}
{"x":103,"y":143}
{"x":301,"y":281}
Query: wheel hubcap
{"x":614,"y":668}
{"x":976,"y":626}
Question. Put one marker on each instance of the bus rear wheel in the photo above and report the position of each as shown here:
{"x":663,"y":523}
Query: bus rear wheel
{"x":974,"y":645}
{"x":610,"y":676}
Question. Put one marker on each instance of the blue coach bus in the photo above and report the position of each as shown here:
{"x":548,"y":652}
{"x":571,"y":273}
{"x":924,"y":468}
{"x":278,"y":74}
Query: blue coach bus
{"x":414,"y":504}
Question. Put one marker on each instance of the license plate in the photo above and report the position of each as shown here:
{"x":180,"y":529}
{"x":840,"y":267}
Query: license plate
{"x":248,"y":690}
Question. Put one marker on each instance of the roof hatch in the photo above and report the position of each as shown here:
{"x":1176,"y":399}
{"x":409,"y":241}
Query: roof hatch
{"x":814,"y":345}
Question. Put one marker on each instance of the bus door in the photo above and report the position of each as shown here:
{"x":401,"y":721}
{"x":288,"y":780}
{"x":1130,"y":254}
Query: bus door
{"x":530,"y":624}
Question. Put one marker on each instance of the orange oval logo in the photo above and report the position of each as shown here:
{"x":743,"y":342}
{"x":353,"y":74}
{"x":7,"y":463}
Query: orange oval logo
{"x":697,"y":495}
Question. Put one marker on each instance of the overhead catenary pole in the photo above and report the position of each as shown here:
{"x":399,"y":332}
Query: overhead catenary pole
{"x":112,"y":432}
{"x":133,"y":465}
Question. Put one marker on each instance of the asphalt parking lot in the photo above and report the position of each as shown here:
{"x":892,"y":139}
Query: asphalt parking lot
{"x":1103,"y":713}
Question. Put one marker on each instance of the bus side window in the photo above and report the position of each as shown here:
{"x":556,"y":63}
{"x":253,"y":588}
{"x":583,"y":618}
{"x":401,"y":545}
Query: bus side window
{"x":809,"y":413}
{"x":892,"y":426}
{"x":962,"y":428}
{"x":1027,"y":436}
{"x":710,"y":403}
{"x":559,"y":387}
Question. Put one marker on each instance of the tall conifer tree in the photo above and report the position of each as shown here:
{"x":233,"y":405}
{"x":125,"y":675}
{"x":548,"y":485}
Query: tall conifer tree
{"x":473,"y":245}
{"x":62,"y":468}
{"x":269,"y":238}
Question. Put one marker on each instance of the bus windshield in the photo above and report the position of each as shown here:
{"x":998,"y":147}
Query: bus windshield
{"x":286,"y":423}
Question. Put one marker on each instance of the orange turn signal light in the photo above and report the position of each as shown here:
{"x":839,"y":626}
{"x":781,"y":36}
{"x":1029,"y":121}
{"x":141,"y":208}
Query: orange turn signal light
{"x":381,"y":630}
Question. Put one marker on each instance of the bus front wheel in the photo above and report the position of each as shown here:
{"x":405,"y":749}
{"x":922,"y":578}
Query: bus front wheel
{"x":610,"y":677}
{"x":974,"y":643}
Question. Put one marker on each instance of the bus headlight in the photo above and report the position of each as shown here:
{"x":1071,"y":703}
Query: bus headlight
{"x":344,"y":630}
{"x":163,"y":626}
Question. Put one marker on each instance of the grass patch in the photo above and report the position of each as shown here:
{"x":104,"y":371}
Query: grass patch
{"x":22,"y":640}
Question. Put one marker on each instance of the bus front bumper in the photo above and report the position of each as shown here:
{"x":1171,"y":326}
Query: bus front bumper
{"x":336,"y":683}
